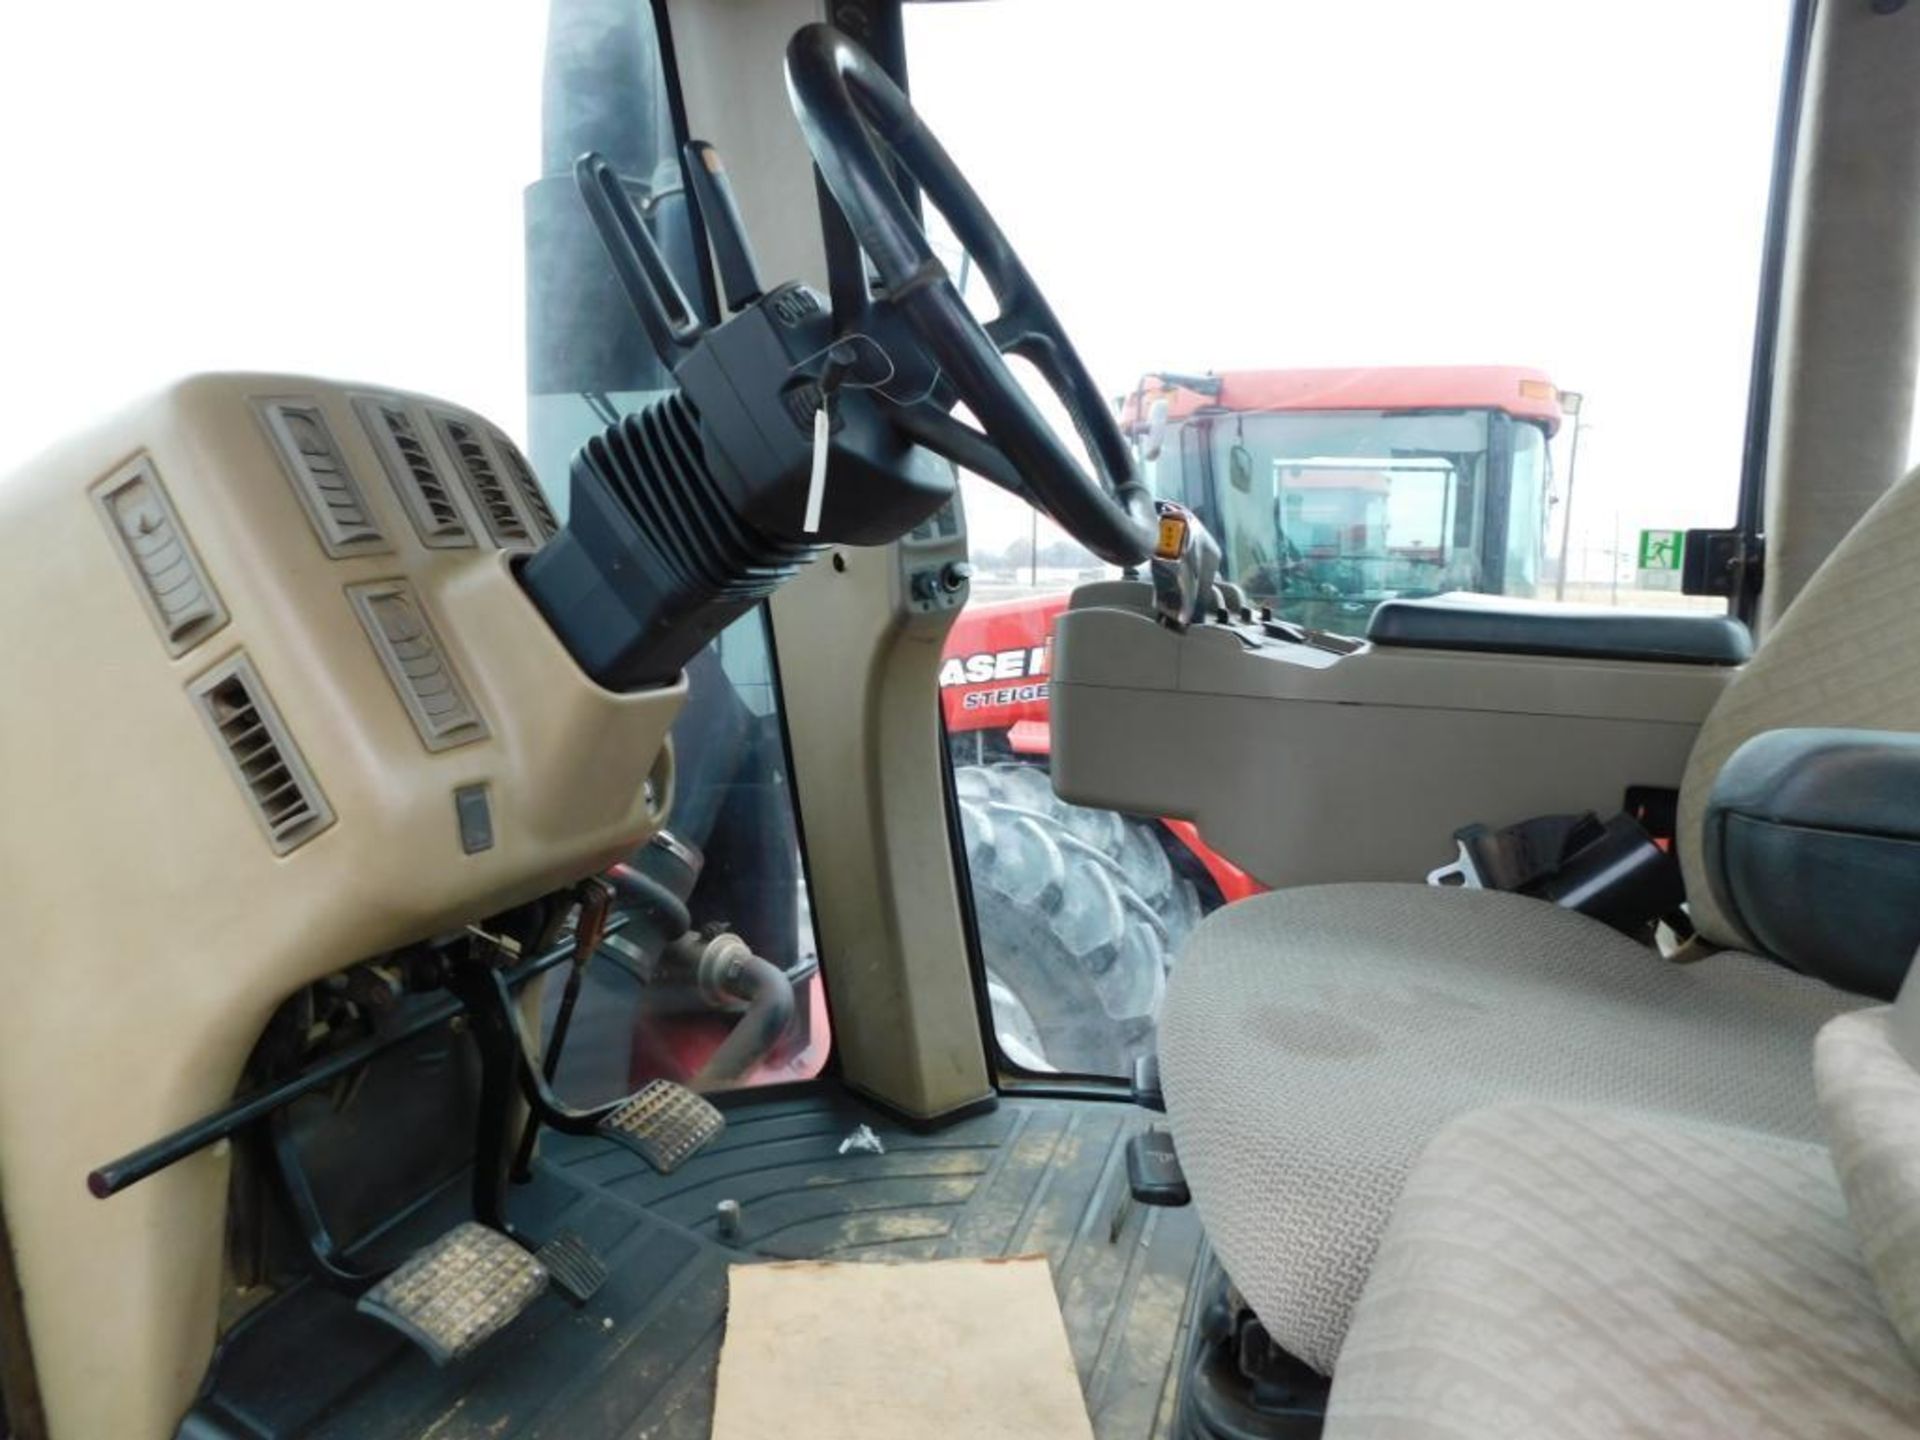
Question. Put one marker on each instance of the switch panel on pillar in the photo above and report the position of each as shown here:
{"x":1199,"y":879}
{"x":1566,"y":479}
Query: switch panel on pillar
{"x":934,"y":571}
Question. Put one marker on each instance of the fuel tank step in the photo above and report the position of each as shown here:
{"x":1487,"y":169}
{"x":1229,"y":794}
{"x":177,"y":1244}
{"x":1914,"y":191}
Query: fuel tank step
{"x":452,"y":1295}
{"x":665,"y":1124}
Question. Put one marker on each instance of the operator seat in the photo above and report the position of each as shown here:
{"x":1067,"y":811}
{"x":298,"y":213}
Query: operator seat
{"x":1635,"y":1275}
{"x":1314,"y":1040}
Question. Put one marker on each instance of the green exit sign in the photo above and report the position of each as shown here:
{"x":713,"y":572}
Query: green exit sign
{"x":1661,"y":549}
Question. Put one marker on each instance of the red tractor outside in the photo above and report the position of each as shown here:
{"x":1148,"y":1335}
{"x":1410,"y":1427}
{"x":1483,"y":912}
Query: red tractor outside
{"x":1330,"y":491}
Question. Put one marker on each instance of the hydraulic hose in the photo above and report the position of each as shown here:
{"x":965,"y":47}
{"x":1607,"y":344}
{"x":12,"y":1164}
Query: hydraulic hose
{"x":729,"y":969}
{"x":664,"y":908}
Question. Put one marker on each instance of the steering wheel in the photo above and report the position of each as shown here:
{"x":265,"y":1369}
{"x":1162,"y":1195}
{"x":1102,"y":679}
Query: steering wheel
{"x":848,"y":107}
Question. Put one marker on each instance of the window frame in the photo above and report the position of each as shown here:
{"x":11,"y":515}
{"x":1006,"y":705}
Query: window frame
{"x":1750,"y":513}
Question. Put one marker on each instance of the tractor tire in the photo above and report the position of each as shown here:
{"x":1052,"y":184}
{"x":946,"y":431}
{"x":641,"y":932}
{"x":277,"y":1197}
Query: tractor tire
{"x":1080,"y":915}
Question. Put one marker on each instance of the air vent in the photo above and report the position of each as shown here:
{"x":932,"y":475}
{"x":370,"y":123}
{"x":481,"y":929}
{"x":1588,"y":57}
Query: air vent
{"x":415,"y":662}
{"x":261,"y":754}
{"x":531,"y":495}
{"x":488,"y":487}
{"x":157,"y":553}
{"x":318,"y":469}
{"x":415,"y":473}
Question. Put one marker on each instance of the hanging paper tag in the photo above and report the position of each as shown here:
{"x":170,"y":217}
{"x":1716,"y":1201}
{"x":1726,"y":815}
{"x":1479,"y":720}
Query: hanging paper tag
{"x":817,"y":478}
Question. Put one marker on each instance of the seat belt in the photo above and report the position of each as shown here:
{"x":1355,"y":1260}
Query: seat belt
{"x":1613,"y":870}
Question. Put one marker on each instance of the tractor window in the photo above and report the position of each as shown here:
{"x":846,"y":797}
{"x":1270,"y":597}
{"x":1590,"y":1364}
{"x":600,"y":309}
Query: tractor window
{"x":1529,"y":487}
{"x":1324,"y":515}
{"x":1377,"y":372}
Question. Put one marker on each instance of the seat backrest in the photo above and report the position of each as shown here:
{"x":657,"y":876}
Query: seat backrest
{"x":1846,"y":653}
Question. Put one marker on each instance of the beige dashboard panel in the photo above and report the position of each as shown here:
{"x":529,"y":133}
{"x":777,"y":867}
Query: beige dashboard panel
{"x":166,"y":887}
{"x":1303,"y":767}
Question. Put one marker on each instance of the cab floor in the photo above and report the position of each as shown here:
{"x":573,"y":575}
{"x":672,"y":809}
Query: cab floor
{"x":1032,"y":1176}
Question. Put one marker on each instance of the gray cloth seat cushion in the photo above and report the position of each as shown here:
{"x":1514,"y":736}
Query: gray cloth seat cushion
{"x":1559,"y":1272}
{"x":1314,"y":1040}
{"x":1870,"y":1097}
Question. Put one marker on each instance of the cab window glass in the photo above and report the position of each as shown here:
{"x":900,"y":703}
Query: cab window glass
{"x":1401,"y":299}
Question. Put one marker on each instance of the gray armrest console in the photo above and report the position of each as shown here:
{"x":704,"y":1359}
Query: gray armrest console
{"x":1448,"y":622}
{"x":1813,"y":845}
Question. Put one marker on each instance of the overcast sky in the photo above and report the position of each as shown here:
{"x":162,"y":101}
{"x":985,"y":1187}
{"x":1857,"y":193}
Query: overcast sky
{"x":332,"y":189}
{"x":1200,"y":185}
{"x":1217,"y":185}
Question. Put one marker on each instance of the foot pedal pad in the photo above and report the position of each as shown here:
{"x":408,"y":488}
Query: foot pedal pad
{"x":576,"y":1270}
{"x":465,"y":1287}
{"x":1153,"y":1170}
{"x":665,"y":1124}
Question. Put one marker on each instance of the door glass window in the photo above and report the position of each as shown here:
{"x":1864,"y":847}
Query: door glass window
{"x":1402,"y":299}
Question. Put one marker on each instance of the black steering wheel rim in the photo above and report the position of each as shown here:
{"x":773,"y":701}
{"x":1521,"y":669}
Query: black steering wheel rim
{"x":845,"y":103}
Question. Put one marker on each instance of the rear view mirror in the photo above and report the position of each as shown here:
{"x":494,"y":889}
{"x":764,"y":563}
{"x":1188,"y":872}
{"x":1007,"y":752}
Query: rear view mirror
{"x":1240,"y":469}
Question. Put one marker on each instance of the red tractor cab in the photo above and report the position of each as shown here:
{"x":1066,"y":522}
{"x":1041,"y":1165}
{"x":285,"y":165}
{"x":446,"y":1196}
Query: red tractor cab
{"x":1334,"y":490}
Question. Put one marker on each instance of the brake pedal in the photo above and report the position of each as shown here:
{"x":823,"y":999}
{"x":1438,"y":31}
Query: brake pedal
{"x":577,"y":1270}
{"x":665,"y":1124}
{"x":457,"y":1292}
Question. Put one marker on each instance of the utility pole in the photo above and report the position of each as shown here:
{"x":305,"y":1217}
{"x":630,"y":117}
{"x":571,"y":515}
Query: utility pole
{"x":1570,"y":401}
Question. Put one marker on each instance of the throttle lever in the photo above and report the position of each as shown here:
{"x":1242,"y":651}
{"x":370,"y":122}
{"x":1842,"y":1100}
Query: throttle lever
{"x":726,"y":231}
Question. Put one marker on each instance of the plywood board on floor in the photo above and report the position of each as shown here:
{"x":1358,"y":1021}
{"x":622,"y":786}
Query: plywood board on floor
{"x":972,"y":1348}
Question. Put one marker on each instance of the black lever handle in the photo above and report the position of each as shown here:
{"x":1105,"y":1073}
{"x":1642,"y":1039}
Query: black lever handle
{"x":655,"y":295}
{"x":726,"y":232}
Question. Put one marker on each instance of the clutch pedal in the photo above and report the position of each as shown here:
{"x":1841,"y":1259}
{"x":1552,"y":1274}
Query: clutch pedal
{"x":457,"y":1292}
{"x":664,"y":1124}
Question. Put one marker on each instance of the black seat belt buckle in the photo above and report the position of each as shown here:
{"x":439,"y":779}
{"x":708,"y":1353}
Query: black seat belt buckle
{"x":1153,"y":1170}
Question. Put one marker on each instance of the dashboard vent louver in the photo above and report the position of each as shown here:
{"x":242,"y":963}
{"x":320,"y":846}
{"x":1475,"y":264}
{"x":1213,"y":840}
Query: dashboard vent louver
{"x":531,"y":494}
{"x":261,"y":754}
{"x":488,"y":487}
{"x":414,"y":472}
{"x":416,"y":663}
{"x":321,"y":477}
{"x":159,"y":556}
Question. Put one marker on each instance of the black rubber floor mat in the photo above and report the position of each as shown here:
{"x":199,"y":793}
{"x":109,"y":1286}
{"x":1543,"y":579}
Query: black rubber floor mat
{"x":1045,"y":1176}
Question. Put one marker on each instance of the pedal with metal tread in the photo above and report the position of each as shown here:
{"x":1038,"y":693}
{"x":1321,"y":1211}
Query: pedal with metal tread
{"x":665,"y":1124}
{"x":458,"y":1292}
{"x":575,"y":1267}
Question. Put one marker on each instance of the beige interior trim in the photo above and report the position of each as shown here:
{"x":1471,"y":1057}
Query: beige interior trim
{"x":858,"y":667}
{"x":1850,"y":310}
{"x":731,"y":61}
{"x":860,"y":680}
{"x":1359,"y":768}
{"x":151,"y":927}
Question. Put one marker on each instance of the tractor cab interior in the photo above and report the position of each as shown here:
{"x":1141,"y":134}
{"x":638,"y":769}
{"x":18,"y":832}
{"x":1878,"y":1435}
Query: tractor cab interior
{"x":1396,"y":998}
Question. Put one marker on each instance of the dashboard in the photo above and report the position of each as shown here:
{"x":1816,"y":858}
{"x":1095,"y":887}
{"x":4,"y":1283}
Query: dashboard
{"x":276,"y":704}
